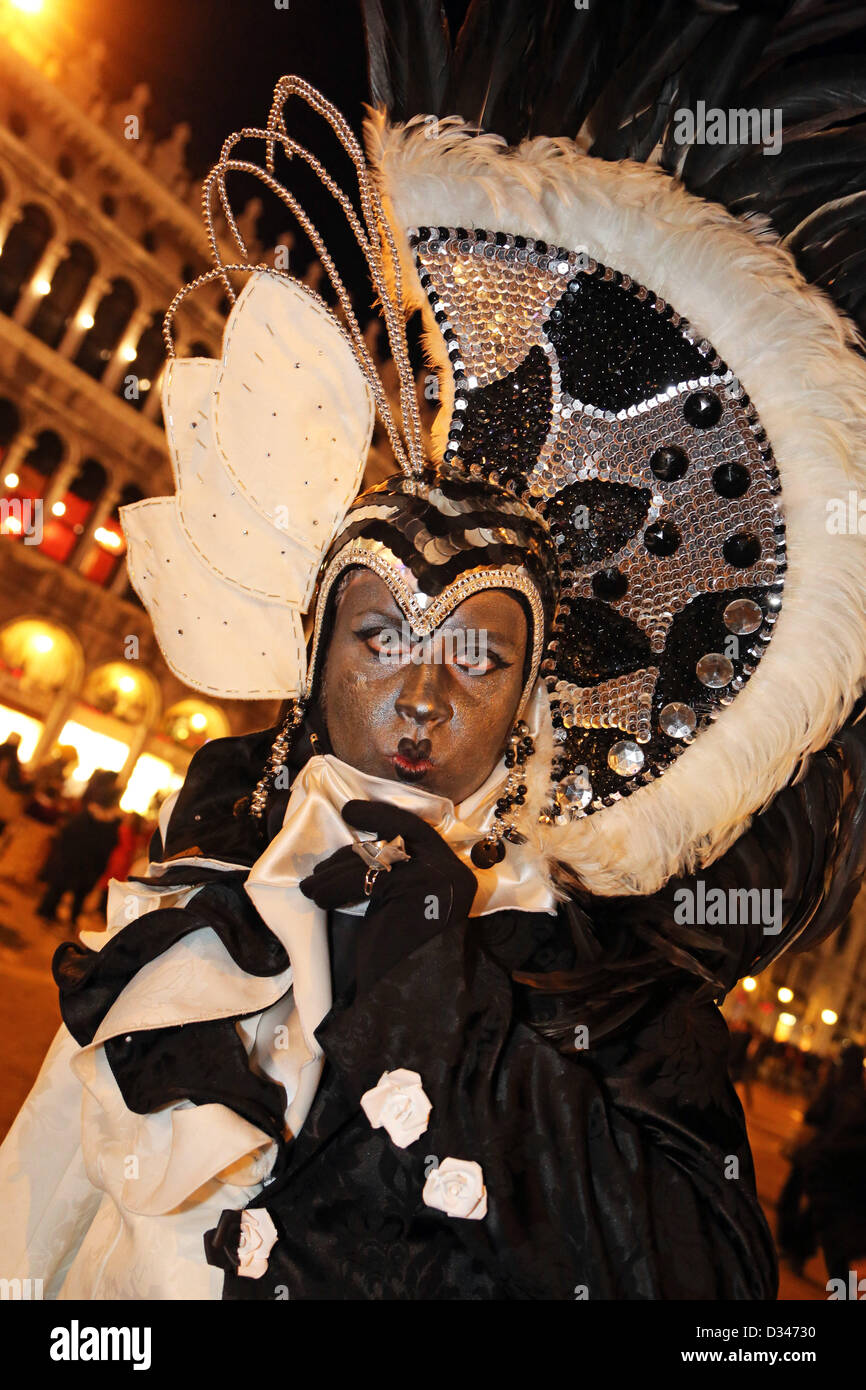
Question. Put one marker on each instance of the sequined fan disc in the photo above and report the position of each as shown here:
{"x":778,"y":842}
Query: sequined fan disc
{"x":584,"y":390}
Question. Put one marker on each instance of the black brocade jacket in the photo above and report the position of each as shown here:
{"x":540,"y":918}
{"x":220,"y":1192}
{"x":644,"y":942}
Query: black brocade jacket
{"x":616,"y":1170}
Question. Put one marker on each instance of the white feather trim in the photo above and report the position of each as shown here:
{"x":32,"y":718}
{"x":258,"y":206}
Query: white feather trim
{"x":794,"y":354}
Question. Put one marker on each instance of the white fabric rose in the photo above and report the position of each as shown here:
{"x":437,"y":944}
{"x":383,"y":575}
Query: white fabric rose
{"x":258,"y":1235}
{"x":398,"y":1102}
{"x":457,"y":1188}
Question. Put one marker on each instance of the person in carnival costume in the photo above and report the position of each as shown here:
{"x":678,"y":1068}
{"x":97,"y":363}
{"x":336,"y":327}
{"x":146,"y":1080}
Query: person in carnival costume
{"x":419,"y":996}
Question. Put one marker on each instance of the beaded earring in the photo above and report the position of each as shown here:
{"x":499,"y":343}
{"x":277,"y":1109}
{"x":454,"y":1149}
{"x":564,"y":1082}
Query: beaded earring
{"x":490,"y":851}
{"x":279,"y":752}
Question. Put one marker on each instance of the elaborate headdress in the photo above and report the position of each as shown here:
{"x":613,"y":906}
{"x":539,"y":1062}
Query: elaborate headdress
{"x":649,"y":373}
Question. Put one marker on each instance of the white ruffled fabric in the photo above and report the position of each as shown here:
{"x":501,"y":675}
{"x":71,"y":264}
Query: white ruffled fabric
{"x":102,"y":1203}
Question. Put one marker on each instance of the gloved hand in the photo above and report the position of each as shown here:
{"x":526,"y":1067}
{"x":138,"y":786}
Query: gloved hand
{"x":409,"y":903}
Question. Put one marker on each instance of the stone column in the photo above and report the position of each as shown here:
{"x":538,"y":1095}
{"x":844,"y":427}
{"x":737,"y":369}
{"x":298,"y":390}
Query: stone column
{"x":118,"y":367}
{"x":100,"y":514}
{"x":71,"y":340}
{"x":29,"y":299}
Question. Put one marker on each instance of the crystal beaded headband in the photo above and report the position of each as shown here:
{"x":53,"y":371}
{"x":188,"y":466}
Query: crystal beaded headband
{"x":594,"y":397}
{"x":435,"y":544}
{"x":375,"y":556}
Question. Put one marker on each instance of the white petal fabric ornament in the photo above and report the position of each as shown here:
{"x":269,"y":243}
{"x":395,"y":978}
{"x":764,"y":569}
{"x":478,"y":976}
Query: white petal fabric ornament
{"x":221,"y":526}
{"x":213,"y":637}
{"x":289,"y":370}
{"x":268,"y":449}
{"x":258,"y":1237}
{"x":398,"y":1102}
{"x":457,"y":1188}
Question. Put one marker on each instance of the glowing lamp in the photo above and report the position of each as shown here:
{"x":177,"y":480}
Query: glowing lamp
{"x":109,"y":539}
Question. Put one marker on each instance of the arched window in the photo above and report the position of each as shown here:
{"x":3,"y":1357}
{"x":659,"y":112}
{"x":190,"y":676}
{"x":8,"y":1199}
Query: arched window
{"x":22,"y":252}
{"x":66,"y":166}
{"x":30,"y":477}
{"x":43,"y":458}
{"x":149,"y":357}
{"x":71,"y":513}
{"x":112,"y":315}
{"x":68,"y":288}
{"x":109,"y":547}
{"x":149,"y":240}
{"x":10,"y":423}
{"x":108,"y":203}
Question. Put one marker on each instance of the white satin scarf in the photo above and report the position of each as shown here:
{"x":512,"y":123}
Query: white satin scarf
{"x":313,"y":828}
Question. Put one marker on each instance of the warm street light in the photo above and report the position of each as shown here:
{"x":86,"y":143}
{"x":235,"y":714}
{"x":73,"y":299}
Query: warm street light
{"x":42,"y":286}
{"x":110,"y":539}
{"x":829,"y":1016}
{"x":127,"y":684}
{"x":787,"y":1020}
{"x":42,"y":642}
{"x":785,"y":995}
{"x":749,"y":983}
{"x":58,"y":509}
{"x":86,"y":320}
{"x":28,"y":6}
{"x":198,"y":721}
{"x":128,"y":353}
{"x":11,"y":480}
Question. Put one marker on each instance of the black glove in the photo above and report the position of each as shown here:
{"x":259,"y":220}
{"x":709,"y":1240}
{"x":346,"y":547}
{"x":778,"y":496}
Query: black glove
{"x":409,"y":903}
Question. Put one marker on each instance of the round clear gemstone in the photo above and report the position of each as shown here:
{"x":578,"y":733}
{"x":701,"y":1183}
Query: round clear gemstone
{"x":678,"y":721}
{"x":626,"y":758}
{"x":575,"y":790}
{"x":714,"y":670}
{"x":743,"y":616}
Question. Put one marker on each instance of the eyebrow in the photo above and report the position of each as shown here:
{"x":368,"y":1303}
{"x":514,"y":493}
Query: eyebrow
{"x":366,"y":615}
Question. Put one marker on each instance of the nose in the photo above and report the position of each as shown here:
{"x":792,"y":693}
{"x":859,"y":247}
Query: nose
{"x":423,"y":699}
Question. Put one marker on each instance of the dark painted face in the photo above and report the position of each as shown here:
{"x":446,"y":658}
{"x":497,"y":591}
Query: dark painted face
{"x":436,"y":714}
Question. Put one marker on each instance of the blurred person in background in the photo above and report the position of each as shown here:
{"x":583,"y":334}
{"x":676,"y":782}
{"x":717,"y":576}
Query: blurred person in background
{"x":13,"y":782}
{"x":81,"y":851}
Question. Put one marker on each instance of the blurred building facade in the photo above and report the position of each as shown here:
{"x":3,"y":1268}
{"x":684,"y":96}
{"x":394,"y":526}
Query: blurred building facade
{"x":99,"y":227}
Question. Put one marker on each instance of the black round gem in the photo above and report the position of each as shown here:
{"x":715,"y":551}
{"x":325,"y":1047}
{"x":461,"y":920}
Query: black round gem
{"x":485,"y":853}
{"x":731,"y":479}
{"x":443,"y":233}
{"x":520,"y":242}
{"x":500,"y":238}
{"x":702,"y":409}
{"x":423,"y":233}
{"x":669,"y":463}
{"x":461,"y":233}
{"x":609,"y":584}
{"x":742,"y":549}
{"x":662,"y":538}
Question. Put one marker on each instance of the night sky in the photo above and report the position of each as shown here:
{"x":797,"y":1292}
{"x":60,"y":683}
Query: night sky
{"x":213,"y":63}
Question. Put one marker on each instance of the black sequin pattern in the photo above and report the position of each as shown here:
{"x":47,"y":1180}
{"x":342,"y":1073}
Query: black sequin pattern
{"x":613,"y":350}
{"x":506,"y":423}
{"x":593,"y":520}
